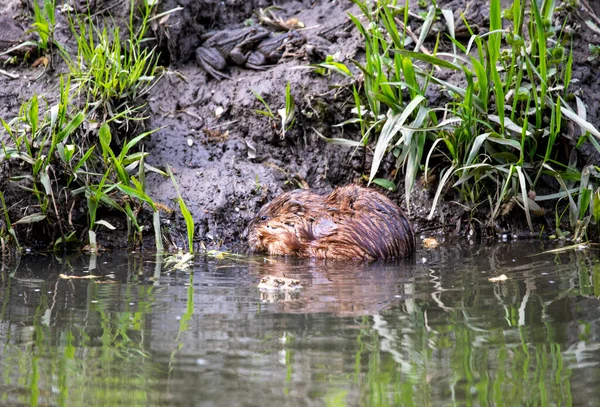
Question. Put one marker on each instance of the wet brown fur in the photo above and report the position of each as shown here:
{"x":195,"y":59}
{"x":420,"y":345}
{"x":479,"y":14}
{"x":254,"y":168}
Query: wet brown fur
{"x":351,"y":222}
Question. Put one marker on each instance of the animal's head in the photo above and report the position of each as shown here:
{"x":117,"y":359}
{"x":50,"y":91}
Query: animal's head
{"x":275,"y":227}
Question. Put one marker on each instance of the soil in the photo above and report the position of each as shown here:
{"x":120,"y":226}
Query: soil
{"x":227,"y":159}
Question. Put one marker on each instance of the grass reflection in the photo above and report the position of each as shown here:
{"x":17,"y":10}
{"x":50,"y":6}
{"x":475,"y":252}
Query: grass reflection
{"x":94,"y":355}
{"x":184,"y":323}
{"x":480,"y":368}
{"x":501,"y":345}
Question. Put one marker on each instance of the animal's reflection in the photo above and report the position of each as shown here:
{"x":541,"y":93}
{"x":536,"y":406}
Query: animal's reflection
{"x":346,"y":288}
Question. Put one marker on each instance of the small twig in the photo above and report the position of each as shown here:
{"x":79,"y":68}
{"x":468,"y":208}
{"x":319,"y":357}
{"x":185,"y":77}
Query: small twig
{"x":71,"y":213}
{"x":593,"y":15}
{"x":195,"y":116}
{"x":412,"y":35}
{"x":10,"y":75}
{"x":216,"y":126}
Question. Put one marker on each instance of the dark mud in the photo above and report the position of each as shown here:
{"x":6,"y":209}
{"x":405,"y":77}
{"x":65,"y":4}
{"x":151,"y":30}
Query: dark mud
{"x":227,"y":159}
{"x":239,"y":160}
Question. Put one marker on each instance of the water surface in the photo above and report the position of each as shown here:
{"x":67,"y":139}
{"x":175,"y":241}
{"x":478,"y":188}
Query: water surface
{"x":429,"y":331}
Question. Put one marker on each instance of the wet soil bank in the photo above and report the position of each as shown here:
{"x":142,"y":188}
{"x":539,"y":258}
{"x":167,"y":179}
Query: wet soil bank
{"x":227,"y":159}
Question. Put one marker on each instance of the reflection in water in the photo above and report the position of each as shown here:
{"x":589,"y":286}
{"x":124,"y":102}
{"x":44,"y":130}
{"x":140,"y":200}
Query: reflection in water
{"x":339,"y":288}
{"x":432,"y":330}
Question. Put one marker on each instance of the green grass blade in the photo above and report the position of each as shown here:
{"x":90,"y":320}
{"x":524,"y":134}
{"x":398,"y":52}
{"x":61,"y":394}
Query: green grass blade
{"x":584,"y":124}
{"x":568,"y":72}
{"x":524,"y":194}
{"x":499,"y":92}
{"x":542,"y":52}
{"x":477,"y":143}
{"x":105,"y":138}
{"x":133,"y":142}
{"x":495,"y":24}
{"x":187,"y":216}
{"x":70,"y":127}
{"x":260,"y":98}
{"x":410,"y":77}
{"x":449,"y":171}
{"x":136,"y":194}
{"x":428,"y":59}
{"x":425,"y":28}
{"x":390,"y":129}
{"x":482,"y":80}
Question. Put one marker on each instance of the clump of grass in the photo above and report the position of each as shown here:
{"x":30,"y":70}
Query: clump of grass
{"x":58,"y":161}
{"x":68,"y":153}
{"x":111,"y":75}
{"x":268,"y":112}
{"x":287,"y":113}
{"x":44,"y":23}
{"x":498,"y":133}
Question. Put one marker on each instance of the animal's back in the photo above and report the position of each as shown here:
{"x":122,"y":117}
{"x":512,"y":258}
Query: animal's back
{"x":369,"y":225}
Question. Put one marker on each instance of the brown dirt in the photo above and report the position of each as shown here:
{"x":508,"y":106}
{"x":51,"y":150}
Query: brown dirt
{"x":239,"y":160}
{"x":223,"y":186}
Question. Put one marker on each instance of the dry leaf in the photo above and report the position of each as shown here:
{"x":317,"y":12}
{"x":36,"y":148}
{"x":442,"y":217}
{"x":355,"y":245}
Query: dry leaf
{"x":44,"y":61}
{"x":430,"y":243}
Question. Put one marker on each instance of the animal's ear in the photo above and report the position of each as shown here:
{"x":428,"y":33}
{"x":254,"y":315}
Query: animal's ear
{"x":294,"y":206}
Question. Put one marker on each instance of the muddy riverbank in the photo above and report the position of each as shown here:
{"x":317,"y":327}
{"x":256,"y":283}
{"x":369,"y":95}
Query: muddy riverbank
{"x":229,"y":160}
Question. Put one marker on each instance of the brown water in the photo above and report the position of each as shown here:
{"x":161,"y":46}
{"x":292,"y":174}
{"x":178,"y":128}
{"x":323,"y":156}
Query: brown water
{"x":430,"y":331}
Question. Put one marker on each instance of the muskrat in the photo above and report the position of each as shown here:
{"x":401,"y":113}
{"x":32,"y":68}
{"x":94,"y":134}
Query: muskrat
{"x":351,"y":222}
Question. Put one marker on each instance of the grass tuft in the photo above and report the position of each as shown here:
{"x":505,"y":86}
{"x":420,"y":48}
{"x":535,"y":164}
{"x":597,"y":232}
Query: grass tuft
{"x":492,"y":140}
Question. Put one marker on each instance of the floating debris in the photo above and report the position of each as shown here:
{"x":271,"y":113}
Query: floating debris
{"x":66,"y":277}
{"x":180,"y":261}
{"x":498,"y":279}
{"x":430,"y":243}
{"x":279,"y":283}
{"x":578,"y":246}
